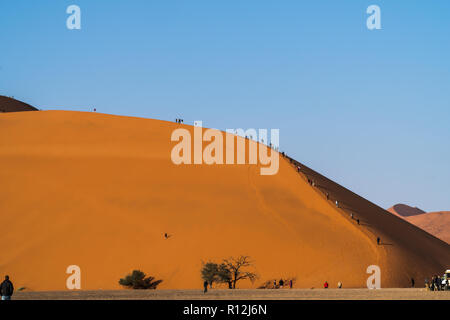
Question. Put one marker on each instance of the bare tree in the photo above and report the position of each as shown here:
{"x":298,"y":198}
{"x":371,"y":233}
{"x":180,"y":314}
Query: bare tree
{"x":235,"y":268}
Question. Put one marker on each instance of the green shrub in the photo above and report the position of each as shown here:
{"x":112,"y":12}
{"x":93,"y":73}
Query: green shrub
{"x":138,"y":280}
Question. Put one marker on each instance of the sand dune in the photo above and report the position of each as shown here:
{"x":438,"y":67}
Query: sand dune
{"x":99,"y":191}
{"x":403,"y":210}
{"x":8,"y":104}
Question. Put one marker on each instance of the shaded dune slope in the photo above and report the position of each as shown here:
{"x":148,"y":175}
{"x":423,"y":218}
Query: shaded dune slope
{"x":436,"y":223}
{"x":8,"y":104}
{"x":99,"y":191}
{"x":402,"y":244}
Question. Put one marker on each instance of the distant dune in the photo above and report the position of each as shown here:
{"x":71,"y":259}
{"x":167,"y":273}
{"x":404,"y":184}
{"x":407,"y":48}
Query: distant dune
{"x":99,"y":191}
{"x":8,"y":104}
{"x":436,"y":223}
{"x":403,"y":210}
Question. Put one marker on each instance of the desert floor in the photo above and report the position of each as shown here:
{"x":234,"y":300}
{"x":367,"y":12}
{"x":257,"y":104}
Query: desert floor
{"x":242,"y":294}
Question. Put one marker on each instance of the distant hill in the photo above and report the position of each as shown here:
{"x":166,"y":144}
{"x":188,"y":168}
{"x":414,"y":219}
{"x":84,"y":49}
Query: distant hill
{"x":404,"y":210}
{"x":8,"y":104}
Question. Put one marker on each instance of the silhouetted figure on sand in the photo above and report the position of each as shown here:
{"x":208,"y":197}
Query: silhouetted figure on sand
{"x":6,"y":289}
{"x":205,"y":286}
{"x":432,"y":283}
{"x":281,"y":282}
{"x":290,"y":284}
{"x":412,"y":282}
{"x":438,"y":283}
{"x":378,"y":240}
{"x":357,"y":220}
{"x":166,"y":236}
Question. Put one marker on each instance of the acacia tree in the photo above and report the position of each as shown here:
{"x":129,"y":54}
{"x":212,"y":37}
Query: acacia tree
{"x":224,"y":275}
{"x":138,"y":280}
{"x":210,"y":272}
{"x":233,"y":269}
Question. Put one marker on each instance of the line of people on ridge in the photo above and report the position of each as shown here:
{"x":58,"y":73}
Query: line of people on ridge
{"x":313,"y":184}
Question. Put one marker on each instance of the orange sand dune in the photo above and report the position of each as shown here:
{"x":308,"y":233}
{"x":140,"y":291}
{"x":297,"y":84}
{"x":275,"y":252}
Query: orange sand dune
{"x":99,"y":191}
{"x":403,"y":210}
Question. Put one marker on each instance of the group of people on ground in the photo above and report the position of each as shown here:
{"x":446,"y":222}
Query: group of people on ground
{"x":179,"y":120}
{"x":326,"y":285}
{"x":436,"y":283}
{"x":281,"y":283}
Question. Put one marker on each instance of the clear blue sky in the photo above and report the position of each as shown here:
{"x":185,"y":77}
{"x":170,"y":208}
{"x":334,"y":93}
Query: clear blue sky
{"x":368,"y":109}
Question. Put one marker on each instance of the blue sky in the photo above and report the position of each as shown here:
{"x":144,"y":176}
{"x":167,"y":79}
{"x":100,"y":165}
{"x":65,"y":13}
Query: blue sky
{"x":368,"y":109}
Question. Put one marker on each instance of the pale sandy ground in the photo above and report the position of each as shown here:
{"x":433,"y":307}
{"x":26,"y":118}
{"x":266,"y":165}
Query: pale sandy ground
{"x":242,"y":294}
